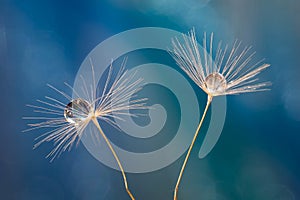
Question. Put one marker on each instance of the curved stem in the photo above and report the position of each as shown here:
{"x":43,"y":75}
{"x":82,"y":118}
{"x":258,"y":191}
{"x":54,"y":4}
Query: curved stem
{"x":209,"y":99}
{"x":94,"y":119}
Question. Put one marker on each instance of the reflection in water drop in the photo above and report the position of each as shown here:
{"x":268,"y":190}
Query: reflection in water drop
{"x":215,"y":83}
{"x":77,"y":111}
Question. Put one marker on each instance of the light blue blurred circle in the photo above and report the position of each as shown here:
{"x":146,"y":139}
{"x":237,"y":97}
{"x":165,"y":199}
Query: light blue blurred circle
{"x":123,"y":43}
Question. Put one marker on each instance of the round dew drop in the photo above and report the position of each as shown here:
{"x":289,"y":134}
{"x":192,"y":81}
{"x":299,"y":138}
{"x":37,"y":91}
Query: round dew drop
{"x":77,"y":111}
{"x":215,"y":83}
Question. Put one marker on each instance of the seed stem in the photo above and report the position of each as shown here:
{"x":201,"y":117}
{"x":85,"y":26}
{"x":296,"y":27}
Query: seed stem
{"x":94,"y":119}
{"x":209,"y":99}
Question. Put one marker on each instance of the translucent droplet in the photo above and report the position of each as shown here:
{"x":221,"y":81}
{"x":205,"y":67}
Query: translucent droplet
{"x":77,"y":111}
{"x":215,"y":83}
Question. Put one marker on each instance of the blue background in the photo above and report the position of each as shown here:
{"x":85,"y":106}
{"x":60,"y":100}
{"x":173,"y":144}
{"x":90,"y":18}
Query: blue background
{"x":257,"y":156}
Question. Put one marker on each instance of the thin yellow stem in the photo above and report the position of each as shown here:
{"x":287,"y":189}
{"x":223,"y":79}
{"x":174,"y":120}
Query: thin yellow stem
{"x":94,"y":119}
{"x":209,"y":99}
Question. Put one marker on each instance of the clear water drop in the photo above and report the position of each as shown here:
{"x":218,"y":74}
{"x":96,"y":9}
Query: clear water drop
{"x":77,"y":111}
{"x":215,"y":83}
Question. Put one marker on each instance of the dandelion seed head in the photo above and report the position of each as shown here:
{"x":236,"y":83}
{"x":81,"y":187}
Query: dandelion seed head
{"x":77,"y":111}
{"x":67,"y":122}
{"x":221,"y":72}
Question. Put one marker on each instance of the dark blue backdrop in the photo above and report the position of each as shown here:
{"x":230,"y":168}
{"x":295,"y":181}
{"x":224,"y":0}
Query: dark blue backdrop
{"x":257,"y":156}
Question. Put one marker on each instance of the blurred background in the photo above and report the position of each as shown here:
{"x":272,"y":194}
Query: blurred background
{"x":257,"y":156}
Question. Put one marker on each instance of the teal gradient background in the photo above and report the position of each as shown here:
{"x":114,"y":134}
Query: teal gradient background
{"x":257,"y":156}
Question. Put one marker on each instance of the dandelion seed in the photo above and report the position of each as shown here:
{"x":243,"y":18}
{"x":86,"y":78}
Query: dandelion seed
{"x":225,"y":72}
{"x":70,"y":119}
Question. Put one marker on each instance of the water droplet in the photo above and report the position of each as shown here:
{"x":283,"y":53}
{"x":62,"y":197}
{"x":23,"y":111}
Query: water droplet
{"x":77,"y":111}
{"x":215,"y":83}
